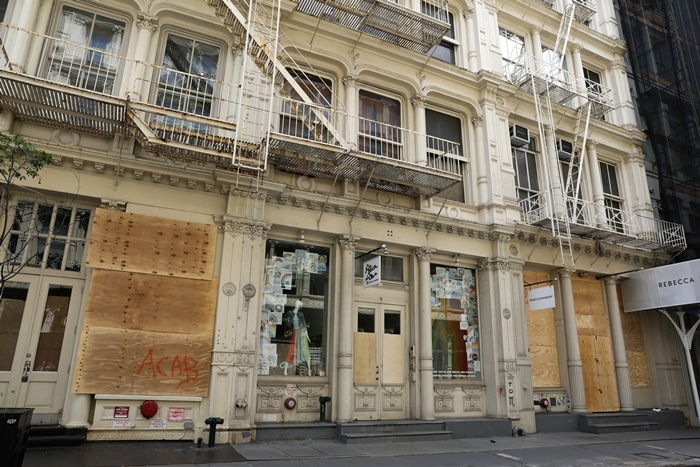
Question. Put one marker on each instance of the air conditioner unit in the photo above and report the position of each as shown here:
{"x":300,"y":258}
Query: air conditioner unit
{"x":519,"y":135}
{"x":565,"y":149}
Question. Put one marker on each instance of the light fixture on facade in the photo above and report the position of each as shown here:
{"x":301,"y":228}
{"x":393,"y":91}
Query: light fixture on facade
{"x":455,"y":258}
{"x":300,"y":238}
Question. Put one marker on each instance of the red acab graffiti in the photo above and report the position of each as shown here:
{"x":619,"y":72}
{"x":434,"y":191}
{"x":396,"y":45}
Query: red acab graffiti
{"x":170,"y":366}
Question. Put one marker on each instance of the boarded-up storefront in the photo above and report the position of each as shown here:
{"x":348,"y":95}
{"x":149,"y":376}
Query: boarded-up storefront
{"x":542,"y":337}
{"x":596,"y":346}
{"x":150,"y":311}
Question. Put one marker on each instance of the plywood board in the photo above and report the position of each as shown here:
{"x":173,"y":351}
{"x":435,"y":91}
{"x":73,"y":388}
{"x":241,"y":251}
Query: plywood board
{"x":365,"y":358}
{"x":125,"y":361}
{"x":125,"y":300}
{"x":635,"y":347}
{"x":542,"y":339}
{"x":599,"y":376}
{"x":393,"y":359}
{"x":145,"y":334}
{"x":151,"y":245}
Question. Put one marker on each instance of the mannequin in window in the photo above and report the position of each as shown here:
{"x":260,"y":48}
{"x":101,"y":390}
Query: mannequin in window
{"x":296,"y":329}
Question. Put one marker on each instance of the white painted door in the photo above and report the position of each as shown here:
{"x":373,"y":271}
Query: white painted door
{"x":38,"y":319}
{"x":379,"y":365}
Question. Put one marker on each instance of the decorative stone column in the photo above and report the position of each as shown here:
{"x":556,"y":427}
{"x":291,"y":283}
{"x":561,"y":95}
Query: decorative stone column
{"x":236,"y":337}
{"x":574,"y":365}
{"x":344,"y":396}
{"x":472,"y":40}
{"x":25,"y":17}
{"x":420,"y":153}
{"x":482,"y":161}
{"x":237,"y":76}
{"x":147,"y":25}
{"x":425,"y":339}
{"x":503,"y":330}
{"x":351,"y":105}
{"x":622,"y":370}
{"x":596,"y":184}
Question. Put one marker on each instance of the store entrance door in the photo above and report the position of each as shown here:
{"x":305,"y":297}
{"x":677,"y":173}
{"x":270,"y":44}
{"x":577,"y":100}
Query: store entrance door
{"x":38,"y":319}
{"x":379,"y":366}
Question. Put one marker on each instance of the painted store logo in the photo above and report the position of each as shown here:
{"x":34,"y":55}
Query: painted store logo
{"x":675,"y":282}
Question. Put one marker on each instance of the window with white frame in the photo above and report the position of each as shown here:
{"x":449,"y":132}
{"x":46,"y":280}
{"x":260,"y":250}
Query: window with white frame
{"x":48,"y":236}
{"x":613,"y":199}
{"x":446,"y":50}
{"x":187,"y":80}
{"x":574,"y":200}
{"x":84,"y":52}
{"x":555,"y":67}
{"x":513,"y":54}
{"x":380,"y":125}
{"x":297,"y":118}
{"x":444,"y":149}
{"x":527,"y":184}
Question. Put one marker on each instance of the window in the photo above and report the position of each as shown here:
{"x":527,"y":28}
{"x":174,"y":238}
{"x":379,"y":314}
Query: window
{"x":513,"y":53}
{"x":613,"y":201}
{"x":526,"y":179}
{"x":294,"y":316}
{"x":594,"y":87}
{"x":455,"y":323}
{"x":296,"y":118}
{"x":3,"y":9}
{"x":186,"y":82}
{"x":48,"y":236}
{"x":444,"y":148}
{"x":446,"y":50}
{"x":84,"y":52}
{"x":574,"y":200}
{"x":555,"y":67}
{"x":380,"y":120}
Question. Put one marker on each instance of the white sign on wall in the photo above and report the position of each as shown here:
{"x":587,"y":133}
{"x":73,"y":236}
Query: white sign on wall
{"x":372,"y":272}
{"x":541,"y":298}
{"x":662,"y":287}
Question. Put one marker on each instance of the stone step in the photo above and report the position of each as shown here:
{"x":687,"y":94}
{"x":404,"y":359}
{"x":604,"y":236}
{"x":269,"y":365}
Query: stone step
{"x":395,"y":437}
{"x":619,"y":427}
{"x":55,"y":435}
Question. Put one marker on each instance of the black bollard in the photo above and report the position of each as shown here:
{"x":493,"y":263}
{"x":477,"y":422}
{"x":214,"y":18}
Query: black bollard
{"x":323,"y":400}
{"x":212,"y":422}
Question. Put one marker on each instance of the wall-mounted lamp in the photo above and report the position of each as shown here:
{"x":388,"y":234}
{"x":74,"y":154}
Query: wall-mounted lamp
{"x":455,"y":258}
{"x":583,"y":274}
{"x":300,"y":238}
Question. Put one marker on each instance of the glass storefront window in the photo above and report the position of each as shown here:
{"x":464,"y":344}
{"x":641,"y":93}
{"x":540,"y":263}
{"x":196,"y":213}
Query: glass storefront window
{"x":294,"y":314}
{"x":455,"y":323}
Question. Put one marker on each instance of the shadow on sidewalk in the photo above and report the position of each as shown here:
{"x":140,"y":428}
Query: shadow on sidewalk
{"x":129,"y":453}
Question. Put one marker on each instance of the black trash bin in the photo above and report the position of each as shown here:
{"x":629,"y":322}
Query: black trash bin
{"x":14,"y":431}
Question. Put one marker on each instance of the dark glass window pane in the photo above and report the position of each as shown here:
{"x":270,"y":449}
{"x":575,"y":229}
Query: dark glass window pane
{"x":365,"y":320}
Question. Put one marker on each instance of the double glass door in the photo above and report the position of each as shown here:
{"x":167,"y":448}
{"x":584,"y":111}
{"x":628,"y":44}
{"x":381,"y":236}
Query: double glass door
{"x":38,"y":322}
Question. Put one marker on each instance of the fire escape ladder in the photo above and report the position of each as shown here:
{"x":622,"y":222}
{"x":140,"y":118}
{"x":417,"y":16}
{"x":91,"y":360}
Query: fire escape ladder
{"x":258,"y":33}
{"x":554,"y":194}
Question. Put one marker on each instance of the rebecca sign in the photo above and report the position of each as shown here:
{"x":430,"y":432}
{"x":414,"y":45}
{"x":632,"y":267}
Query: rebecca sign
{"x":662,"y":287}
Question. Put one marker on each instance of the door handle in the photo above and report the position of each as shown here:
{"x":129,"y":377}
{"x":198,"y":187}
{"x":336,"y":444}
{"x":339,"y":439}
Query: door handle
{"x":25,"y":372}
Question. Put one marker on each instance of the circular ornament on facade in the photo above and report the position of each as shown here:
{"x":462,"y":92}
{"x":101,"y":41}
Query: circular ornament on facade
{"x":452,"y":212}
{"x":248,"y":291}
{"x":506,"y":313}
{"x":228,"y":289}
{"x":384,"y":198}
{"x":66,"y":138}
{"x":306,"y":183}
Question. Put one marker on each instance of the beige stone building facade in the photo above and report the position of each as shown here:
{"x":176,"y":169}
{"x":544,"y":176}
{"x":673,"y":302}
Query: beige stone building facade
{"x":225,"y":184}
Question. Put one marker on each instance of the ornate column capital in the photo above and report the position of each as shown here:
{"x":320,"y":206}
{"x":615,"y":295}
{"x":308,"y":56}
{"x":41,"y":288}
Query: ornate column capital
{"x":348,"y":242}
{"x":418,"y":101}
{"x":113,"y":205}
{"x":424,"y":253}
{"x":145,"y":21}
{"x":565,"y":272}
{"x":478,"y":120}
{"x":350,"y":80}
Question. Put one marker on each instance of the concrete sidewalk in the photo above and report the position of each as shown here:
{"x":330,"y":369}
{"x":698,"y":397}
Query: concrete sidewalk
{"x":649,"y":448}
